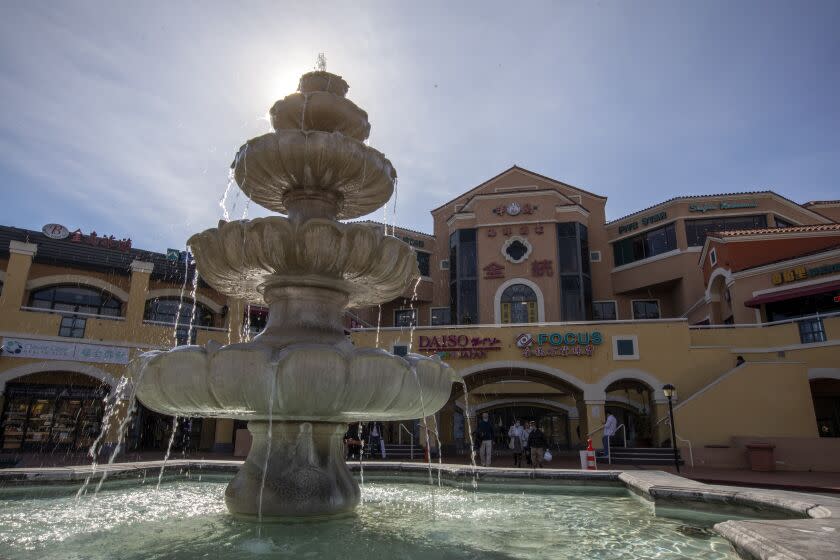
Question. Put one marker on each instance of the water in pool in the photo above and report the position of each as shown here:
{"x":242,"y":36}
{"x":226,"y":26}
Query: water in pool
{"x":187,"y":519}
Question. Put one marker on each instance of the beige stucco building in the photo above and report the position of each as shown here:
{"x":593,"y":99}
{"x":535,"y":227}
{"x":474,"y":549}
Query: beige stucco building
{"x":548,"y":311}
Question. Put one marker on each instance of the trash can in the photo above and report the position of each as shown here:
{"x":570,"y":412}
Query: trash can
{"x":761,"y":456}
{"x":583,"y":459}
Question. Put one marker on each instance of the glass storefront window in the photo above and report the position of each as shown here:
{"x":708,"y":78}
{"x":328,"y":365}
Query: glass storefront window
{"x":697,"y":230}
{"x":645,"y":245}
{"x":63,"y":417}
{"x":811,"y":330}
{"x":423,"y":262}
{"x":440,"y":316}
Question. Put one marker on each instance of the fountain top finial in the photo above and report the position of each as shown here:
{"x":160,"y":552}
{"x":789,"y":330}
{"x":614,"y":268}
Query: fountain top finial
{"x":321,"y":63}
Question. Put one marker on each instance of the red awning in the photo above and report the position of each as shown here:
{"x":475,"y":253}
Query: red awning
{"x":793,"y":293}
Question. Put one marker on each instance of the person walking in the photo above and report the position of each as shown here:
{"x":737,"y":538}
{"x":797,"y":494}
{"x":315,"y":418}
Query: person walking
{"x":610,"y":427}
{"x":537,"y":443}
{"x":516,"y":433}
{"x":374,"y":437}
{"x":526,"y":450}
{"x":485,"y":435}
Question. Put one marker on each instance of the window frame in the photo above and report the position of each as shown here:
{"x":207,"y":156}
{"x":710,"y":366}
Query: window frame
{"x":813,"y":335}
{"x":625,"y":337}
{"x":414,"y":317}
{"x":615,"y":309}
{"x":105,"y":298}
{"x":638,"y":244}
{"x":647,"y":300}
{"x":431,"y":315}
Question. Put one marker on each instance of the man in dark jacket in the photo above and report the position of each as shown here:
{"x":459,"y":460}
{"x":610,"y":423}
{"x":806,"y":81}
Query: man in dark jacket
{"x":537,"y":443}
{"x":485,"y":436}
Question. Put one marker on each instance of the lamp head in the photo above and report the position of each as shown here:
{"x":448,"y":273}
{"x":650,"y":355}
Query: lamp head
{"x":669,"y":390}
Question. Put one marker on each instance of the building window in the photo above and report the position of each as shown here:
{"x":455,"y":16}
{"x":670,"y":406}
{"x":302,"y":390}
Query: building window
{"x":516,"y":249}
{"x":604,"y":311}
{"x":73,"y":327}
{"x":74,"y":299}
{"x":440,"y":316}
{"x":405,"y":318}
{"x":574,"y":271}
{"x":645,"y":245}
{"x":173,"y":311}
{"x":780,"y":223}
{"x":646,"y":309}
{"x":400,"y":350}
{"x":595,"y":256}
{"x":463,"y":277}
{"x":256,"y":318}
{"x":811,"y":330}
{"x":625,"y":347}
{"x":423,"y":262}
{"x":696,"y":230}
{"x":713,"y":257}
{"x":519,"y":304}
{"x":444,"y":264}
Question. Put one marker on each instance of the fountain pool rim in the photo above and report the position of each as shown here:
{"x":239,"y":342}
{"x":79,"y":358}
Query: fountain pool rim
{"x":816,"y":517}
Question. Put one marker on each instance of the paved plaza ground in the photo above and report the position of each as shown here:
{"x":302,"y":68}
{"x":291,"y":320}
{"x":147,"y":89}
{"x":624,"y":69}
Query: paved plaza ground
{"x":819,"y":482}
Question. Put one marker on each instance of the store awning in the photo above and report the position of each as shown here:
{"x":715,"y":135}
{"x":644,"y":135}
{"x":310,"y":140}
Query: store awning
{"x":794,"y":293}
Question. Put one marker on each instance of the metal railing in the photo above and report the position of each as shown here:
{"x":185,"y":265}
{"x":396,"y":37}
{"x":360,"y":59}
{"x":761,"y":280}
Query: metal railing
{"x":410,"y":435}
{"x":623,"y":433}
{"x":73,"y":313}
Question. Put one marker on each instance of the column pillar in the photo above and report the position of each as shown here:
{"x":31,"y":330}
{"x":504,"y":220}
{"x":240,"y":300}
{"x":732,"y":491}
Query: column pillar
{"x":595,"y":418}
{"x":17,"y":273}
{"x":137,"y":294}
{"x":447,"y":424}
{"x":235,"y":319}
{"x":223,"y":442}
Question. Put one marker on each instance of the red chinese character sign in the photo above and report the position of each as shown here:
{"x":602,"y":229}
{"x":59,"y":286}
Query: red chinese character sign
{"x":458,"y":346}
{"x":542,"y":268}
{"x":106,"y":242}
{"x":494,"y":270}
{"x":514,"y":209}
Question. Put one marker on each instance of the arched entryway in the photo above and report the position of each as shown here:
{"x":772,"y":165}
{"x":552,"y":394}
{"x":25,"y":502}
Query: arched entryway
{"x":631,"y":401}
{"x":826,"y":395}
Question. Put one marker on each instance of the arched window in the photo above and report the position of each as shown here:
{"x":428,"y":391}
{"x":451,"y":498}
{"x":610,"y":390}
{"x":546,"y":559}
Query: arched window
{"x":165,"y":310}
{"x":519,"y":304}
{"x":75,"y":299}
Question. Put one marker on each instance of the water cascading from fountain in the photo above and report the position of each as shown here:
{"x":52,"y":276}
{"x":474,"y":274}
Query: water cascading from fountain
{"x":301,"y":371}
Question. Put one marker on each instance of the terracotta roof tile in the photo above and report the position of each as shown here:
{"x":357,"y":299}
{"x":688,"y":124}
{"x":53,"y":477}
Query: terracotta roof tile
{"x":776,"y":231}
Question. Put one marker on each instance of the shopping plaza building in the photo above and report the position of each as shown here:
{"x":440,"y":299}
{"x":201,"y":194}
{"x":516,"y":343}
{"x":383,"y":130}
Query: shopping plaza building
{"x":546,"y":309}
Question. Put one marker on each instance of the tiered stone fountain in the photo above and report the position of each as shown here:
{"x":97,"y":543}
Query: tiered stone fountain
{"x":301,"y":381}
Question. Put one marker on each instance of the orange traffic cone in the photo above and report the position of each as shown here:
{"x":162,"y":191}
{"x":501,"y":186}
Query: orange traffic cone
{"x":590,"y":456}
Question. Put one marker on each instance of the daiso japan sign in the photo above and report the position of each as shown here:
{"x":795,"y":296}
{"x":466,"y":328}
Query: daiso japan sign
{"x":558,"y":344}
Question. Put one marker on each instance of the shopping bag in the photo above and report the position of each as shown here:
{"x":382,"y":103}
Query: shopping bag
{"x":547,"y":456}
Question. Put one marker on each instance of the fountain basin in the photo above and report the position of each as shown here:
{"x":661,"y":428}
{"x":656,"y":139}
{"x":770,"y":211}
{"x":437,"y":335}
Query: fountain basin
{"x":515,"y":514}
{"x":354,"y":178}
{"x":302,"y":382}
{"x":238,"y":258}
{"x":320,"y":110}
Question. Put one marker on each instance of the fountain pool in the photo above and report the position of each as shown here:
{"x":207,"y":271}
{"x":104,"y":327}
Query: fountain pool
{"x":396,"y":519}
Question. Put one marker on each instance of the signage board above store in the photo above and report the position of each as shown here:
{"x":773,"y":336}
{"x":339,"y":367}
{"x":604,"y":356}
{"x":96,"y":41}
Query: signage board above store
{"x":458,"y":346}
{"x":802,"y":273}
{"x":723,"y":205}
{"x":645,"y":221}
{"x":558,"y":344}
{"x":72,"y":351}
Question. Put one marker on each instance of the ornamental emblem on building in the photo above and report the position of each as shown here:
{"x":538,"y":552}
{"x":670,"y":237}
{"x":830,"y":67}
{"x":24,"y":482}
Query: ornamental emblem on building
{"x":514,"y":209}
{"x":524,"y":340}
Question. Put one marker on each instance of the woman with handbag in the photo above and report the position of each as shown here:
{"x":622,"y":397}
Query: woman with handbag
{"x":516,"y":444}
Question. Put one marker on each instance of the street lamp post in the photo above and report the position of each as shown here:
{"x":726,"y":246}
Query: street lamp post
{"x":669,"y":392}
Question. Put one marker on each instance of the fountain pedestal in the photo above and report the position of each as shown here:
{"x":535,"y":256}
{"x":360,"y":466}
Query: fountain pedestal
{"x":306,"y":474}
{"x":301,"y":381}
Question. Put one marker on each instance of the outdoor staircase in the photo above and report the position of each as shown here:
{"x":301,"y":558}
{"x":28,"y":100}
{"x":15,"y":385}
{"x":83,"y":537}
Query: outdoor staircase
{"x":640,"y":456}
{"x":396,"y":451}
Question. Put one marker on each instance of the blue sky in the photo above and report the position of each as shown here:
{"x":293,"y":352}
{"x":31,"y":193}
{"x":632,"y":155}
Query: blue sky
{"x":123,"y":118}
